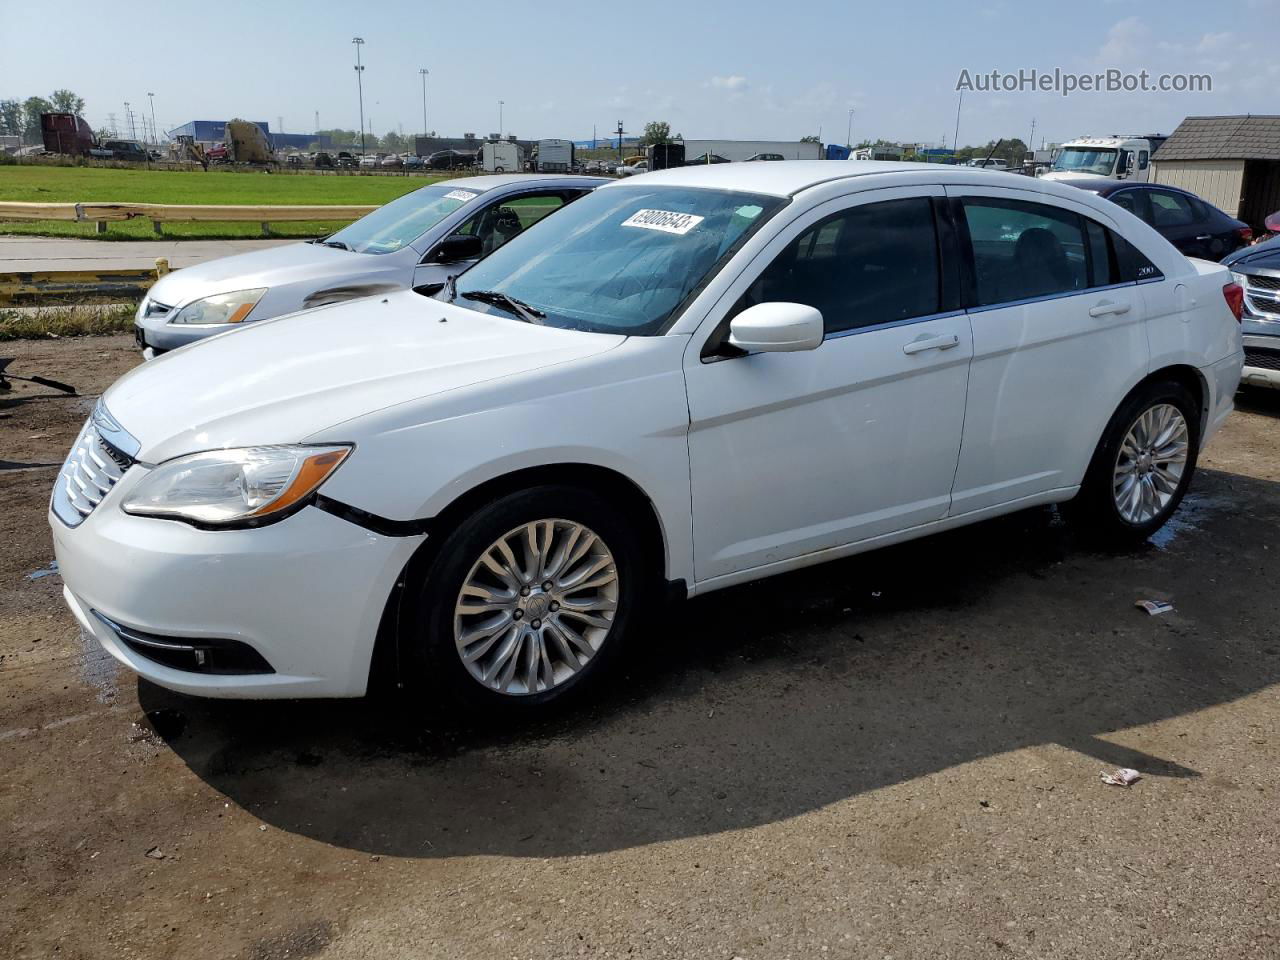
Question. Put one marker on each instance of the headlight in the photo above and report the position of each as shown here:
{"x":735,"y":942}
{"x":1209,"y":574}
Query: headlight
{"x":235,"y":487}
{"x":1238,"y":278}
{"x":220,"y":308}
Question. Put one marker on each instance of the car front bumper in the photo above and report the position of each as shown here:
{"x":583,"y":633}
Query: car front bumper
{"x":305,"y":594}
{"x":1261,"y":354}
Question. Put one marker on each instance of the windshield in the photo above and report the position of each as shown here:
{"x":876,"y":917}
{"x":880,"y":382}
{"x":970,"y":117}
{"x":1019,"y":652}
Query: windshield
{"x":400,"y":222}
{"x":619,"y":260}
{"x":1086,"y":160}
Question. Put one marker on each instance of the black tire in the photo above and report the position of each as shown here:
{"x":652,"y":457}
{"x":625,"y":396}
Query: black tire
{"x":1095,"y":505}
{"x":427,"y":641}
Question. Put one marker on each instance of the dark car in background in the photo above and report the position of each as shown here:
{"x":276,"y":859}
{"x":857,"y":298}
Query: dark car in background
{"x":1196,"y":228}
{"x":450,"y":160}
{"x":705,"y":159}
{"x":323,"y":161}
{"x":1257,"y":270}
{"x":345,"y":160}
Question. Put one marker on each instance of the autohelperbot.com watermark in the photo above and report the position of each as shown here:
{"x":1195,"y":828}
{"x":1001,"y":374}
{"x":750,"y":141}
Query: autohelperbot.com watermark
{"x":1065,"y":83}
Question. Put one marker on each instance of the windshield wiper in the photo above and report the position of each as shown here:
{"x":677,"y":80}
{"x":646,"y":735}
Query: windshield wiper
{"x":507,"y":302}
{"x":336,"y":244}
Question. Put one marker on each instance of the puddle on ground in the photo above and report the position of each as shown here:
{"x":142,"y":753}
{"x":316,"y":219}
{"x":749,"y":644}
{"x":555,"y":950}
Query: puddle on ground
{"x":98,"y":668}
{"x":1194,"y":510}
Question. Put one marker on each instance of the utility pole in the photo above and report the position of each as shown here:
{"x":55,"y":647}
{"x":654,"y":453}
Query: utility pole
{"x":359,"y":42}
{"x":316,"y":128}
{"x":620,"y":133}
{"x":955,"y":144}
{"x":155,"y":137}
{"x":133,"y":132}
{"x":848,"y":137}
{"x":425,"y":72}
{"x":1031,"y":144}
{"x":501,"y":103}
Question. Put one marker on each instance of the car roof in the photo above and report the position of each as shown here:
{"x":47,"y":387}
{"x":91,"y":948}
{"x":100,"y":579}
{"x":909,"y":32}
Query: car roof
{"x":493,"y":181}
{"x":786,"y":178}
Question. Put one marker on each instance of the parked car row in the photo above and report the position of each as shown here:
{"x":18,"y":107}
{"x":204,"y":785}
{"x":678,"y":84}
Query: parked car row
{"x":530,"y":409}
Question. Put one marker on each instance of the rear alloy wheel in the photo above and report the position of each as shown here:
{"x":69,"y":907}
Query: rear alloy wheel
{"x":536,"y":608}
{"x":1150,"y":464}
{"x":528,"y":600}
{"x":1143,"y":464}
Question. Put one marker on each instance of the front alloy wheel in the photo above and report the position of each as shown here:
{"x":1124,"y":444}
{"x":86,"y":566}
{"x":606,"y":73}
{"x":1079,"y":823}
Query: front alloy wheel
{"x":536,"y":607}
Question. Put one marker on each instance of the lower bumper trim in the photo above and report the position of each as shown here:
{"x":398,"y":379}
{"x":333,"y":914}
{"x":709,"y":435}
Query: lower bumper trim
{"x":205,"y":655}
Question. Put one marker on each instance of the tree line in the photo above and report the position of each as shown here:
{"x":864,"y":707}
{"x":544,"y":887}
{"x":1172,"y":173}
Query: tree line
{"x":21,"y":118}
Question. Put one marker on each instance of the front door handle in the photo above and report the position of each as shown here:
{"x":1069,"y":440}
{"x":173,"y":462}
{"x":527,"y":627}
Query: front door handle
{"x":1207,"y":236}
{"x":1107,"y":308}
{"x":931,"y":343}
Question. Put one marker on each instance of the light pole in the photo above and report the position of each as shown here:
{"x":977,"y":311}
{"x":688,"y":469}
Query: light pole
{"x":154,"y":136}
{"x":424,"y":71}
{"x":848,"y":136}
{"x":359,"y":42}
{"x":500,"y":105}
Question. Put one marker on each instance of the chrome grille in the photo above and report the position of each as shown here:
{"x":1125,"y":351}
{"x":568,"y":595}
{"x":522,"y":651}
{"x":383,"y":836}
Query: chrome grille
{"x":92,"y":468}
{"x":1259,"y":282}
{"x":1263,"y":304}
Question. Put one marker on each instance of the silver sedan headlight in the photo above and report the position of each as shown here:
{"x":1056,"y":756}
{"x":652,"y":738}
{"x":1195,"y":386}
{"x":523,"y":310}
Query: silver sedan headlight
{"x":228,"y":488}
{"x":220,"y":308}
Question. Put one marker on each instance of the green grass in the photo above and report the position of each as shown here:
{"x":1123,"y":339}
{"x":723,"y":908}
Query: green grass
{"x":77,"y":320}
{"x":87,"y":184}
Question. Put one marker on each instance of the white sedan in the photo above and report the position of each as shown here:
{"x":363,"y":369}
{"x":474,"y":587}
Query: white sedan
{"x":683,"y":381}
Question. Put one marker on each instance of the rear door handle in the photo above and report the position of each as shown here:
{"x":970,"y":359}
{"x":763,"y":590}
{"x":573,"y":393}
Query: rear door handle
{"x":1207,"y":236}
{"x":1107,"y":308}
{"x":931,"y":343}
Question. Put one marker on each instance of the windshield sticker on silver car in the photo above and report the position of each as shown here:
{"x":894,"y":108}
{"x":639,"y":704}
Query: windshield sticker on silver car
{"x":463,"y":195}
{"x":668,"y":221}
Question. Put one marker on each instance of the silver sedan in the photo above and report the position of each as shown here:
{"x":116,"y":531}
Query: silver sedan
{"x":418,"y":240}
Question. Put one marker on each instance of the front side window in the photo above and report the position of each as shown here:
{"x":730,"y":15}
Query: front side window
{"x":620,"y":260}
{"x":397,"y":224}
{"x":871,"y":264}
{"x":1143,"y":159}
{"x":1023,"y":250}
{"x":501,"y":222}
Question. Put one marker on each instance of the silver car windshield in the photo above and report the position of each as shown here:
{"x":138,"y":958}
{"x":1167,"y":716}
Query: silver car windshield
{"x":617,"y":261}
{"x":397,"y":224}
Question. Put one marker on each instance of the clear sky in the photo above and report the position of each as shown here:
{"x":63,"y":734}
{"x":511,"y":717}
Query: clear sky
{"x":712,"y":68}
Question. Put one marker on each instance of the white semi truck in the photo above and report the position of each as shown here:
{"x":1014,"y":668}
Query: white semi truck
{"x":1119,"y":157}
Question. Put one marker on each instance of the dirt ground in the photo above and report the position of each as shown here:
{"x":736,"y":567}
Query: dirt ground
{"x":893,"y":756}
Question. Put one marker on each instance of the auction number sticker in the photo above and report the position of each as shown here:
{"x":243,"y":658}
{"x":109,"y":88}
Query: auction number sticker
{"x":463,"y":195}
{"x":668,"y":221}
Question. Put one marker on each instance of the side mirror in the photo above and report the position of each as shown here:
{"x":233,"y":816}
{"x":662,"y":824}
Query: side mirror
{"x":776,"y":328}
{"x":458,"y":247}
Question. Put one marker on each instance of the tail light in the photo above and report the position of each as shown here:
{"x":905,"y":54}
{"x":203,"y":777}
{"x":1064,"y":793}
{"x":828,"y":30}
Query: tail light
{"x":1233,"y":293}
{"x":1246,"y":235}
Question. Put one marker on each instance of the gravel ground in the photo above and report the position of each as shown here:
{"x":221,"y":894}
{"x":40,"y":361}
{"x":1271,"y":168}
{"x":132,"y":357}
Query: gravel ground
{"x":892,"y":756}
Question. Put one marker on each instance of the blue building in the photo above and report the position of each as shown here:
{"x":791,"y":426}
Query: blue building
{"x":208,"y":132}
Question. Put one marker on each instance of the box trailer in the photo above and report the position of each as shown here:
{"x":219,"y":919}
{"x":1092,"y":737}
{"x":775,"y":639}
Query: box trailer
{"x":746,"y":149}
{"x":66,"y":133}
{"x":555,"y":156}
{"x":500,"y":156}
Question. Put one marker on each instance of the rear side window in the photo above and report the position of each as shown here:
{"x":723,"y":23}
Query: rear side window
{"x":1024,"y":250}
{"x":1170,"y":209}
{"x":1131,"y":263}
{"x":871,"y":264}
{"x":1143,"y":159}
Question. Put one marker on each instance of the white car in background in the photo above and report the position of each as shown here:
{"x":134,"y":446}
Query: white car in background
{"x":684,"y":381}
{"x":416,"y":240}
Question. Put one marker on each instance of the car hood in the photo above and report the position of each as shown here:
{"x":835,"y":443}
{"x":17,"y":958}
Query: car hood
{"x":283,"y":380}
{"x":1265,"y":256}
{"x":273,"y":267}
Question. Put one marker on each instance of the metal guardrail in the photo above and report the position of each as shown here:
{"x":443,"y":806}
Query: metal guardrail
{"x":50,"y":287}
{"x":159,"y":213}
